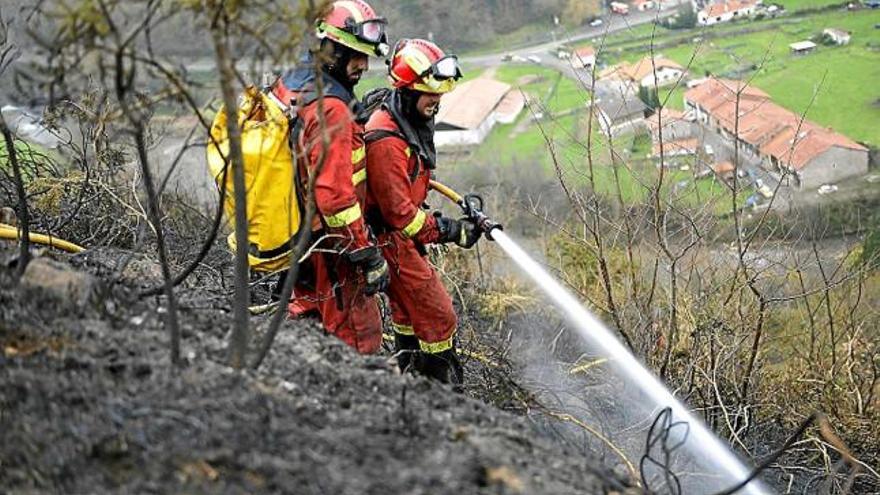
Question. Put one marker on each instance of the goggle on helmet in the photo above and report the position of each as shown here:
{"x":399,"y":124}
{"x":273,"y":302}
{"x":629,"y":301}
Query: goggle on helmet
{"x":354,"y":24}
{"x":422,"y":66}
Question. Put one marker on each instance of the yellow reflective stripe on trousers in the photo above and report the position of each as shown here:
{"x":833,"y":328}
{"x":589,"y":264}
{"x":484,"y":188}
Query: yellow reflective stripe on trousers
{"x":344,"y":217}
{"x":358,"y":155}
{"x":403,"y":329}
{"x":359,"y":176}
{"x":416,"y":225}
{"x":436,"y":347}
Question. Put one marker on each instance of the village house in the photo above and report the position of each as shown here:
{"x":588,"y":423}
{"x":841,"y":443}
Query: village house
{"x":618,"y":108}
{"x":641,"y":73}
{"x":800,"y":153}
{"x":838,"y":36}
{"x":724,"y":171}
{"x":584,"y":57}
{"x":726,"y":11}
{"x":643,"y":5}
{"x":676,"y":148}
{"x":673,"y":124}
{"x":469,"y":112}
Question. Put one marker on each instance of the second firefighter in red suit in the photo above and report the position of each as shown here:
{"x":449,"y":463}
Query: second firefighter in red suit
{"x":400,"y":161}
{"x":331,"y":144}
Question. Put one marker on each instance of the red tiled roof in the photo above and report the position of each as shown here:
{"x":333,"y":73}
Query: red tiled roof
{"x":719,"y":9}
{"x":639,"y":70}
{"x":682,"y":146}
{"x":644,"y":68}
{"x":585,"y":52}
{"x":764,"y":124}
{"x":722,"y":168}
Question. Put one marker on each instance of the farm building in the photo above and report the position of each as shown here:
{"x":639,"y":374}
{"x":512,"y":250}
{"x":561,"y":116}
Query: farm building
{"x":838,"y":36}
{"x":806,"y":154}
{"x":468,"y":113}
{"x":802,"y":47}
{"x":725,"y":11}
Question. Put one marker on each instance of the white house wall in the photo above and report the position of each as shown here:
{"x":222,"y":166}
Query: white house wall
{"x":665,"y":77}
{"x":705,"y":20}
{"x":834,"y":165}
{"x":467,"y":137}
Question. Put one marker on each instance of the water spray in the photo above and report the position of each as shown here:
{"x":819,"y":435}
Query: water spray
{"x":603,"y":340}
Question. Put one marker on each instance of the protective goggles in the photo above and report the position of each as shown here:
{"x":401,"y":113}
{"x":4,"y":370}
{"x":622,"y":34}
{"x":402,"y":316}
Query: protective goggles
{"x":372,"y":31}
{"x":358,"y":36}
{"x":440,"y":77}
{"x":443,"y":69}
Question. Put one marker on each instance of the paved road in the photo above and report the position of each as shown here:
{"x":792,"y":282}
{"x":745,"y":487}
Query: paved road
{"x":611,"y":24}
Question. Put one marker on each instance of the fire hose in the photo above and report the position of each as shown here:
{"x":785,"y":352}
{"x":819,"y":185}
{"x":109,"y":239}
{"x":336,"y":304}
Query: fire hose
{"x":11,"y":233}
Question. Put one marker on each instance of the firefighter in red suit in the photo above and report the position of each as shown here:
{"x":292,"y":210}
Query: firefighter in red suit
{"x":400,"y":161}
{"x":330,"y":143}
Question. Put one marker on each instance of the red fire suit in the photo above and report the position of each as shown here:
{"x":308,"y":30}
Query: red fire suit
{"x":420,"y":304}
{"x":345,"y":310}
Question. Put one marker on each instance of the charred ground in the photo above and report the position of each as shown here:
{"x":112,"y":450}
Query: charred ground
{"x":90,"y":403}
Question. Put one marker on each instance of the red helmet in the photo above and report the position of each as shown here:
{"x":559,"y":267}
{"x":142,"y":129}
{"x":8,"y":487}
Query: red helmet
{"x":421,"y":65}
{"x":353,"y":23}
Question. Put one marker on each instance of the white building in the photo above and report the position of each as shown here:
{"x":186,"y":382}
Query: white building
{"x":726,"y":11}
{"x":802,"y":47}
{"x":642,"y":72}
{"x":838,"y":36}
{"x":585,"y":57}
{"x":468,"y":113}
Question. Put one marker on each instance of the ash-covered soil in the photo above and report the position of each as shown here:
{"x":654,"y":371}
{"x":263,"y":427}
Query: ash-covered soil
{"x":89,"y":403}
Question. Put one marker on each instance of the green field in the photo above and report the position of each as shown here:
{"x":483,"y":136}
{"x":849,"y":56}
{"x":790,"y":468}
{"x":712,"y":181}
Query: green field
{"x":795,"y":5}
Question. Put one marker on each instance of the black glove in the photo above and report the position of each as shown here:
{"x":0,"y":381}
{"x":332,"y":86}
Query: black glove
{"x":463,"y":232}
{"x":373,"y":267}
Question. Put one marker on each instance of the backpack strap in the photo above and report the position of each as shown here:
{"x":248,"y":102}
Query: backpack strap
{"x":374,"y":135}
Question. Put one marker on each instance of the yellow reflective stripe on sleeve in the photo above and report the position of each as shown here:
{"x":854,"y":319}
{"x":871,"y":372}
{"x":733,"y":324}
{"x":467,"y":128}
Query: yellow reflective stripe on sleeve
{"x":408,"y":152}
{"x":344,"y":217}
{"x":436,"y":347}
{"x":403,"y":329}
{"x":358,"y":155}
{"x":359,"y":176}
{"x":416,"y":225}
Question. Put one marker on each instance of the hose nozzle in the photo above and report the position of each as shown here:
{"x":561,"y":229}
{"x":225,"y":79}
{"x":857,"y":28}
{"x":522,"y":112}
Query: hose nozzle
{"x":472,"y":205}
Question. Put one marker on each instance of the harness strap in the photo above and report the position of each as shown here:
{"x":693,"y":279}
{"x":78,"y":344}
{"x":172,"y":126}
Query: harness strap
{"x":378,"y":134}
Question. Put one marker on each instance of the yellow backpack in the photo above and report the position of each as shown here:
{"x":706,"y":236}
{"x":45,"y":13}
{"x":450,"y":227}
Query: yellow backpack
{"x":274,"y":204}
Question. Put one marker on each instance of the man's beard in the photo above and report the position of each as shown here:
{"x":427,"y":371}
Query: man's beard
{"x":355,"y":77}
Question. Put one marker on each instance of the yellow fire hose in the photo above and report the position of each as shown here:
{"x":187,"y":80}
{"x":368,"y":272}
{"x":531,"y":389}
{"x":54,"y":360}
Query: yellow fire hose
{"x":11,"y":233}
{"x":446,"y":191}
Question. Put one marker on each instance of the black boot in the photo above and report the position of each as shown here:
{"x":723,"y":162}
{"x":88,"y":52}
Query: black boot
{"x":445,"y":367}
{"x":406,"y":347}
